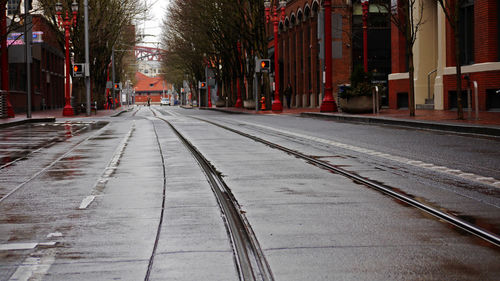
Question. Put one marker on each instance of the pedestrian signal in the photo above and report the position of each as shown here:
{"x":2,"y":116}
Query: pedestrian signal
{"x":78,"y":70}
{"x":118,"y":86}
{"x":202,"y":85}
{"x":263,"y":65}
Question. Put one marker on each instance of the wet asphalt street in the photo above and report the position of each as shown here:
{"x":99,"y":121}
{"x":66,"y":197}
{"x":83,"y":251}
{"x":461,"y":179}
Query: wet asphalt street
{"x":122,"y":198}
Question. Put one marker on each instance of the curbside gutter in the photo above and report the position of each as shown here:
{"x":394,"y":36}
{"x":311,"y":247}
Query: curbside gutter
{"x":440,"y":126}
{"x":25,"y":121}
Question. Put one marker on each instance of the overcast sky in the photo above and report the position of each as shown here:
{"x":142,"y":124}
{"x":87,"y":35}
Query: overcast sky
{"x":152,"y":25}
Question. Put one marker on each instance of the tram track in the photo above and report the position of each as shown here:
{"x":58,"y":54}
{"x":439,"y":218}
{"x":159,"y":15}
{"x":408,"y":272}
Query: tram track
{"x":249,"y":258}
{"x":492,"y":238}
{"x":50,"y":165}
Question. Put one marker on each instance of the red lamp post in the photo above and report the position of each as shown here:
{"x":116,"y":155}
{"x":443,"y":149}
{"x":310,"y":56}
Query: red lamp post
{"x":365,"y":5}
{"x":276,"y":106}
{"x":328,"y":104}
{"x":239,"y":103}
{"x":66,"y":24}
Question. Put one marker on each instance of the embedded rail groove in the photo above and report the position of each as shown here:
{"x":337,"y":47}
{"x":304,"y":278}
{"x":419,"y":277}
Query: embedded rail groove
{"x":162,"y":214}
{"x":449,"y":218}
{"x":249,"y":257}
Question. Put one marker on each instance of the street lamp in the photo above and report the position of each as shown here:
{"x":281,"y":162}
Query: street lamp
{"x":276,"y":106}
{"x":328,"y":104}
{"x":66,"y":24}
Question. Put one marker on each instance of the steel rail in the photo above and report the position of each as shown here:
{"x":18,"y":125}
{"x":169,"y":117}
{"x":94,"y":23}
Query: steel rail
{"x":249,"y":257}
{"x":162,"y":214}
{"x":449,"y":218}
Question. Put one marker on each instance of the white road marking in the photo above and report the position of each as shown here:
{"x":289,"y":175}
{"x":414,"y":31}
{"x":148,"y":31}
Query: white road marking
{"x":454,"y":172}
{"x":54,"y":234}
{"x":23,"y":246}
{"x":34,"y":268}
{"x":108,"y":171}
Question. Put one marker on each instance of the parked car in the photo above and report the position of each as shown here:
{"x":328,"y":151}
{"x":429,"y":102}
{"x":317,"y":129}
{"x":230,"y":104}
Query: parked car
{"x":164,"y":101}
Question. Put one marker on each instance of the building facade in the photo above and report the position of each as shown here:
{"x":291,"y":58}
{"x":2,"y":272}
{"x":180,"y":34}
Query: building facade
{"x":301,"y":41}
{"x":435,"y":63}
{"x":47,"y":68}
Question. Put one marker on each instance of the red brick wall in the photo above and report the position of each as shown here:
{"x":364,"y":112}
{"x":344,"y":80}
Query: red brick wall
{"x":486,"y":31}
{"x":398,"y":50}
{"x":485,"y":80}
{"x":395,"y":87}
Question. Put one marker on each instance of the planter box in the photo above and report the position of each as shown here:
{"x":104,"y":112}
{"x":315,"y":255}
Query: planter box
{"x":357,"y":104}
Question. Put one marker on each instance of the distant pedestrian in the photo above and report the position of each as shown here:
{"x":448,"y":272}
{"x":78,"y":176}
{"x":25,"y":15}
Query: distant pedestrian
{"x":149,"y":101}
{"x":288,"y":94}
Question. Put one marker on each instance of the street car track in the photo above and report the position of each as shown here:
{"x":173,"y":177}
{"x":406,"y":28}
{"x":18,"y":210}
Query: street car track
{"x":164,"y":188}
{"x":49,"y":143}
{"x":475,"y":230}
{"x":249,"y":257}
{"x":43,"y":170}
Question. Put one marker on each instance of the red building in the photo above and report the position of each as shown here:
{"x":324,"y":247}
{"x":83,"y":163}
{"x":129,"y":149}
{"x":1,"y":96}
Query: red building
{"x":435,"y":63}
{"x":47,"y":68}
{"x":301,"y":55}
{"x":150,"y":87}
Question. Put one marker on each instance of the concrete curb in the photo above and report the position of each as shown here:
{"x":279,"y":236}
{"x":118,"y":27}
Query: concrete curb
{"x":25,"y":121}
{"x":224,"y":110}
{"x":457,"y":128}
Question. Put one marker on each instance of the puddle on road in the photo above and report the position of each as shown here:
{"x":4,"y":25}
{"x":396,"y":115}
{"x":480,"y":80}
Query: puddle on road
{"x":47,"y":135}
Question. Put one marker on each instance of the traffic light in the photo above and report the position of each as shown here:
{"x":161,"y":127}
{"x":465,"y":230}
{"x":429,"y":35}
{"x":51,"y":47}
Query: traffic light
{"x":202,"y":85}
{"x":263,"y":65}
{"x":78,"y":70}
{"x":117,"y":86}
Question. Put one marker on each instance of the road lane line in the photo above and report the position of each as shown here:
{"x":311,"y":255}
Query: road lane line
{"x":108,"y":171}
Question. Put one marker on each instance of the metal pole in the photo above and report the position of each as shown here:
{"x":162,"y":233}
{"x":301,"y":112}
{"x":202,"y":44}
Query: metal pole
{"x":429,"y":83}
{"x":5,"y":61}
{"x":476,"y":99}
{"x":113,"y":75}
{"x":87,"y":65}
{"x":27,"y":45}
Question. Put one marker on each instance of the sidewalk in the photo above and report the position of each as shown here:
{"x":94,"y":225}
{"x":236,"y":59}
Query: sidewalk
{"x":55,"y":114}
{"x":445,"y":120}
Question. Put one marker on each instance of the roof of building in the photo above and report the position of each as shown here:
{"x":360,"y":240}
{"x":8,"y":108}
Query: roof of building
{"x":149,"y":84}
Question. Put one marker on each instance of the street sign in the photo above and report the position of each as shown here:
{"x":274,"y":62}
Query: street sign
{"x":109,"y":85}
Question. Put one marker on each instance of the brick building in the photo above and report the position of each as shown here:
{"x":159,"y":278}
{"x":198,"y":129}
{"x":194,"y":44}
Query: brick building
{"x":152,"y":87}
{"x":435,"y":58}
{"x":301,"y":55}
{"x":47,"y":68}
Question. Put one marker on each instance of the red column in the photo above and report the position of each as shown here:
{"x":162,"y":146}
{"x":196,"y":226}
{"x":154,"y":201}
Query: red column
{"x":328,"y":104}
{"x":68,"y":110}
{"x":365,"y":5}
{"x":239,"y":103}
{"x":276,"y":106}
{"x":5,"y":59}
